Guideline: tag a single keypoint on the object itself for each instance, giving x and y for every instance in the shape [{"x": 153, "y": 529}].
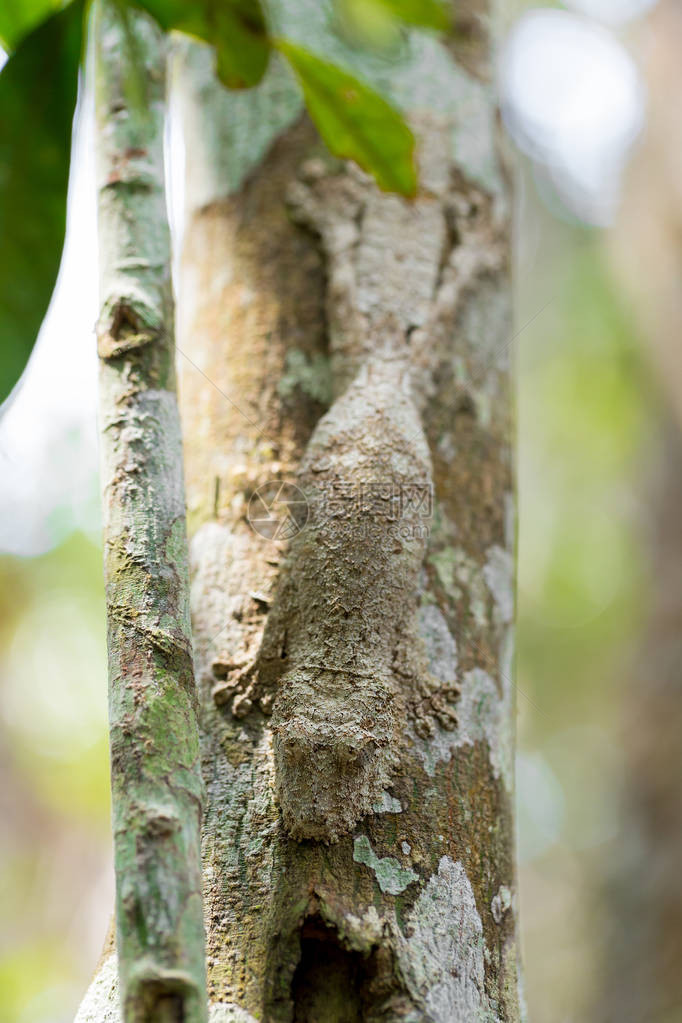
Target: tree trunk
[
  {"x": 354, "y": 670},
  {"x": 155, "y": 757}
]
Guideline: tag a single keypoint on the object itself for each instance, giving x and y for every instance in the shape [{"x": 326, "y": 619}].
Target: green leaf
[
  {"x": 423, "y": 13},
  {"x": 355, "y": 121},
  {"x": 17, "y": 17},
  {"x": 237, "y": 29},
  {"x": 38, "y": 88}
]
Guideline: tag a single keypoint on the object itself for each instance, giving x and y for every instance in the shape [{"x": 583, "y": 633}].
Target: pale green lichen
[
  {"x": 445, "y": 563},
  {"x": 228, "y": 1012},
  {"x": 310, "y": 375},
  {"x": 440, "y": 644},
  {"x": 387, "y": 804},
  {"x": 391, "y": 876},
  {"x": 443, "y": 953},
  {"x": 498, "y": 573},
  {"x": 481, "y": 712},
  {"x": 360, "y": 933},
  {"x": 459, "y": 575},
  {"x": 482, "y": 715},
  {"x": 501, "y": 902},
  {"x": 234, "y": 129}
]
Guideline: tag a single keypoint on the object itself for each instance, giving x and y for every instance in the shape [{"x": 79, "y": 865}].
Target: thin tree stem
[{"x": 156, "y": 777}]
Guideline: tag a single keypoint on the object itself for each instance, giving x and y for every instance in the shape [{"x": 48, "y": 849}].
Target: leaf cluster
[{"x": 38, "y": 92}]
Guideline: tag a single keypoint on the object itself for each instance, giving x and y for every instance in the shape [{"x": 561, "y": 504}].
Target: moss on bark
[{"x": 156, "y": 780}]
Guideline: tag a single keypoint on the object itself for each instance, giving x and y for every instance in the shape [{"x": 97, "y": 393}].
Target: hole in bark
[
  {"x": 450, "y": 242},
  {"x": 465, "y": 404},
  {"x": 329, "y": 979},
  {"x": 316, "y": 978},
  {"x": 168, "y": 1009},
  {"x": 125, "y": 322},
  {"x": 162, "y": 999},
  {"x": 156, "y": 1004}
]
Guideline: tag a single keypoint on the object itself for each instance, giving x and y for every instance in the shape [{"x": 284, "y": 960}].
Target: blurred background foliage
[
  {"x": 588, "y": 413},
  {"x": 583, "y": 407},
  {"x": 55, "y": 888}
]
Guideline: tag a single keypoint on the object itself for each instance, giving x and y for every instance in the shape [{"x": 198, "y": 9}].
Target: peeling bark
[{"x": 156, "y": 780}]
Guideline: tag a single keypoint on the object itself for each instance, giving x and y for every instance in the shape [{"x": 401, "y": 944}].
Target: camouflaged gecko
[
  {"x": 341, "y": 648},
  {"x": 342, "y": 667}
]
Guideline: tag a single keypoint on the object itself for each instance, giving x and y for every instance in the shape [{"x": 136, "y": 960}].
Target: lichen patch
[
  {"x": 391, "y": 876},
  {"x": 443, "y": 954}
]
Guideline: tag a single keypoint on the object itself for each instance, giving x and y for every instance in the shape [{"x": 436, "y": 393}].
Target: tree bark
[
  {"x": 156, "y": 779},
  {"x": 355, "y": 693}
]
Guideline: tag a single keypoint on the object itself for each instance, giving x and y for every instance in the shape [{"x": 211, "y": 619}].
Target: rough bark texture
[
  {"x": 356, "y": 703},
  {"x": 156, "y": 779}
]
